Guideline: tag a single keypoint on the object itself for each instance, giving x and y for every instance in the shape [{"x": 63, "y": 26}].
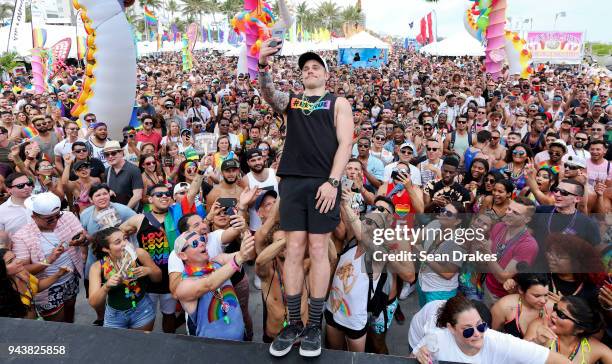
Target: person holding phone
[{"x": 317, "y": 148}]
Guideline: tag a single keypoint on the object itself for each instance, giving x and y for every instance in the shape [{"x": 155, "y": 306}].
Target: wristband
[
  {"x": 235, "y": 265},
  {"x": 261, "y": 65}
]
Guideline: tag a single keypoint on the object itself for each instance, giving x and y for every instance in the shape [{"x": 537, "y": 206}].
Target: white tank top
[
  {"x": 348, "y": 297},
  {"x": 254, "y": 220}
]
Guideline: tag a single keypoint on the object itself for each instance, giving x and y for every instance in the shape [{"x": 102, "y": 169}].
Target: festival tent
[
  {"x": 363, "y": 50},
  {"x": 459, "y": 44}
]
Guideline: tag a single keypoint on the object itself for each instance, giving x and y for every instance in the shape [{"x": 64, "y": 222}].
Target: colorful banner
[
  {"x": 19, "y": 15},
  {"x": 59, "y": 52},
  {"x": 192, "y": 35},
  {"x": 556, "y": 47}
]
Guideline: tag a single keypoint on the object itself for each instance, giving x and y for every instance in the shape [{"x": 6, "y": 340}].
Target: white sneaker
[
  {"x": 406, "y": 291},
  {"x": 257, "y": 282}
]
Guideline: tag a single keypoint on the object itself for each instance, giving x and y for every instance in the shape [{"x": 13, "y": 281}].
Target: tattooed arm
[{"x": 277, "y": 99}]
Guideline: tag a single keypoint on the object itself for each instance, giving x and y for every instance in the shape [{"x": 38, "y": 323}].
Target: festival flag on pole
[
  {"x": 39, "y": 37},
  {"x": 150, "y": 17},
  {"x": 426, "y": 36},
  {"x": 175, "y": 33},
  {"x": 210, "y": 35}
]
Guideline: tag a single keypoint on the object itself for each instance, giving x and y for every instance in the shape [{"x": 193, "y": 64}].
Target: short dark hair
[
  {"x": 386, "y": 200},
  {"x": 12, "y": 177},
  {"x": 483, "y": 136},
  {"x": 183, "y": 224},
  {"x": 79, "y": 143},
  {"x": 365, "y": 138},
  {"x": 579, "y": 186},
  {"x": 157, "y": 185},
  {"x": 97, "y": 187},
  {"x": 599, "y": 141},
  {"x": 399, "y": 126}
]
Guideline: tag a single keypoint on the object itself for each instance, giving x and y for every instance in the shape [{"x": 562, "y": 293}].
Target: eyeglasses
[
  {"x": 581, "y": 139},
  {"x": 520, "y": 153},
  {"x": 162, "y": 194},
  {"x": 80, "y": 150},
  {"x": 562, "y": 315},
  {"x": 490, "y": 180},
  {"x": 447, "y": 213},
  {"x": 381, "y": 209},
  {"x": 21, "y": 186},
  {"x": 406, "y": 151},
  {"x": 432, "y": 149},
  {"x": 147, "y": 123},
  {"x": 563, "y": 192},
  {"x": 469, "y": 332},
  {"x": 169, "y": 107},
  {"x": 111, "y": 154}
]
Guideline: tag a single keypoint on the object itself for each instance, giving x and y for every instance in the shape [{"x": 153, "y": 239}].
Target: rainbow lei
[{"x": 132, "y": 288}]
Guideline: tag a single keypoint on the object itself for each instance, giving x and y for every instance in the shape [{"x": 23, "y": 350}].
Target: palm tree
[
  {"x": 151, "y": 4},
  {"x": 329, "y": 13},
  {"x": 229, "y": 8},
  {"x": 351, "y": 14},
  {"x": 172, "y": 7},
  {"x": 9, "y": 61},
  {"x": 6, "y": 11},
  {"x": 194, "y": 7}
]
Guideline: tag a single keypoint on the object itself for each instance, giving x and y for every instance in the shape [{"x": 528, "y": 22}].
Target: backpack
[{"x": 378, "y": 299}]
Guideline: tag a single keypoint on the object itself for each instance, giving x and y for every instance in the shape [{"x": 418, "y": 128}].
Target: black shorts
[
  {"x": 350, "y": 333},
  {"x": 297, "y": 206}
]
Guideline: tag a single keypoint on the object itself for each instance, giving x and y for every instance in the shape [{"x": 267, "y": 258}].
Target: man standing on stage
[{"x": 317, "y": 148}]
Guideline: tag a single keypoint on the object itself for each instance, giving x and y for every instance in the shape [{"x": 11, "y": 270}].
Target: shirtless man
[
  {"x": 228, "y": 186},
  {"x": 494, "y": 150}
]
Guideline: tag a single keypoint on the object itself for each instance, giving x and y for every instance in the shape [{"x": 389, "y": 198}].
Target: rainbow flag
[
  {"x": 30, "y": 132},
  {"x": 39, "y": 37},
  {"x": 150, "y": 17}
]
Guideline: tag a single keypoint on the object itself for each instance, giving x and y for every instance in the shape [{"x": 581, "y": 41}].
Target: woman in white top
[
  {"x": 173, "y": 134},
  {"x": 462, "y": 336}
]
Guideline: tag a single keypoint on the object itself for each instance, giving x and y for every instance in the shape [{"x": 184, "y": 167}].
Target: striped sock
[
  {"x": 294, "y": 304},
  {"x": 315, "y": 311}
]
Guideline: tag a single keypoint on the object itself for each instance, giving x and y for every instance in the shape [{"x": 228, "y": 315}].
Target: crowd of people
[{"x": 151, "y": 222}]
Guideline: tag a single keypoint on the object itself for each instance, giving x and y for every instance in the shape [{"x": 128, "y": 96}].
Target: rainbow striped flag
[
  {"x": 30, "y": 132},
  {"x": 39, "y": 37},
  {"x": 150, "y": 17}
]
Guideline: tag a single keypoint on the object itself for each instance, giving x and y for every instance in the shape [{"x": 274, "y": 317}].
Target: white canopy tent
[
  {"x": 459, "y": 44},
  {"x": 362, "y": 40}
]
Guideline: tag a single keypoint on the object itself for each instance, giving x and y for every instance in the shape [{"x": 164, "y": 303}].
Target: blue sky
[{"x": 393, "y": 16}]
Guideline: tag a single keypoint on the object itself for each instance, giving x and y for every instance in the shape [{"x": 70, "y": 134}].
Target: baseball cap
[
  {"x": 111, "y": 145},
  {"x": 229, "y": 164},
  {"x": 574, "y": 160},
  {"x": 180, "y": 187},
  {"x": 253, "y": 153},
  {"x": 309, "y": 56},
  {"x": 407, "y": 145},
  {"x": 560, "y": 143},
  {"x": 169, "y": 103},
  {"x": 98, "y": 124},
  {"x": 46, "y": 203},
  {"x": 261, "y": 197},
  {"x": 79, "y": 164}
]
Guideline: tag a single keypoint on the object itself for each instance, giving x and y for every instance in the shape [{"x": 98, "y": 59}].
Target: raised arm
[{"x": 277, "y": 99}]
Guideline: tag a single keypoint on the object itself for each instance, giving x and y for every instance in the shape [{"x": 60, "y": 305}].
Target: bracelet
[
  {"x": 235, "y": 265},
  {"x": 261, "y": 65}
]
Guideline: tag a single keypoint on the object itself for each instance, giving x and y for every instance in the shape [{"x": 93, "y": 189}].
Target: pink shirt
[
  {"x": 26, "y": 241},
  {"x": 525, "y": 249},
  {"x": 598, "y": 171}
]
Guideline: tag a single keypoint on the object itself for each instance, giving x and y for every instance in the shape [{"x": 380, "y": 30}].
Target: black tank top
[
  {"x": 311, "y": 141},
  {"x": 155, "y": 242}
]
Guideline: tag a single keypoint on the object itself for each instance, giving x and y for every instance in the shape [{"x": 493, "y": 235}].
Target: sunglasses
[
  {"x": 363, "y": 145},
  {"x": 162, "y": 194},
  {"x": 150, "y": 163},
  {"x": 432, "y": 149},
  {"x": 111, "y": 154},
  {"x": 90, "y": 120},
  {"x": 366, "y": 129},
  {"x": 461, "y": 121},
  {"x": 21, "y": 186},
  {"x": 481, "y": 112},
  {"x": 494, "y": 138},
  {"x": 490, "y": 180},
  {"x": 427, "y": 128},
  {"x": 194, "y": 244},
  {"x": 379, "y": 138},
  {"x": 469, "y": 332},
  {"x": 147, "y": 123},
  {"x": 581, "y": 139},
  {"x": 49, "y": 218},
  {"x": 406, "y": 151},
  {"x": 169, "y": 107},
  {"x": 262, "y": 148},
  {"x": 83, "y": 167},
  {"x": 381, "y": 209},
  {"x": 519, "y": 153},
  {"x": 563, "y": 192},
  {"x": 447, "y": 213},
  {"x": 562, "y": 315}
]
